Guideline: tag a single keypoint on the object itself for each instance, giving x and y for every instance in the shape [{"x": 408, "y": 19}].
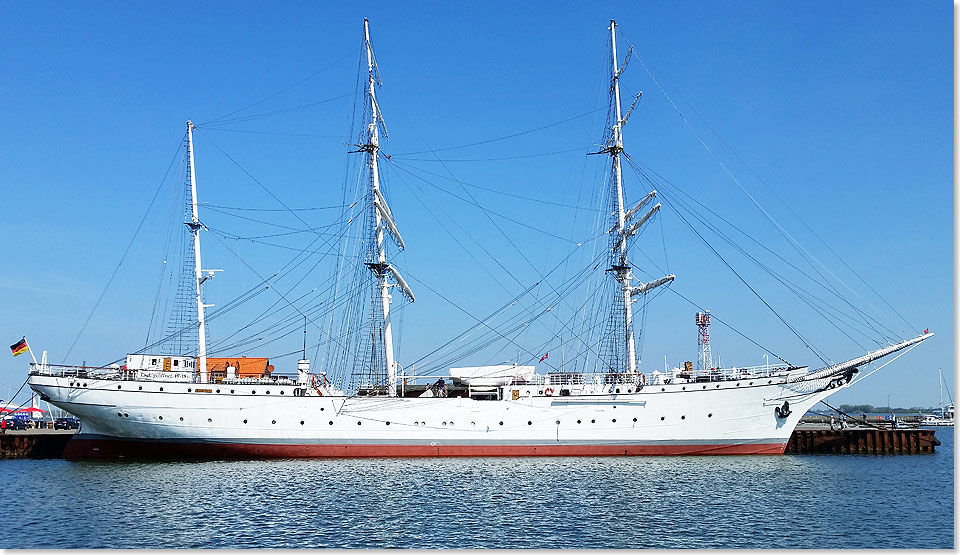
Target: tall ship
[{"x": 185, "y": 406}]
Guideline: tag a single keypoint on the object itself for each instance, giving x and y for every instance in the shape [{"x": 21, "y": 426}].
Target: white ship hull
[{"x": 137, "y": 419}]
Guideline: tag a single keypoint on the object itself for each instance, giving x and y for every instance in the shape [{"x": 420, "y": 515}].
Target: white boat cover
[{"x": 499, "y": 374}]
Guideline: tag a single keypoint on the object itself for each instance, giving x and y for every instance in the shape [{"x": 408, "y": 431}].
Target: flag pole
[{"x": 33, "y": 356}]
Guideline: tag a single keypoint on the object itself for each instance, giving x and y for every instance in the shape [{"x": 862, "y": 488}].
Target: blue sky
[{"x": 836, "y": 118}]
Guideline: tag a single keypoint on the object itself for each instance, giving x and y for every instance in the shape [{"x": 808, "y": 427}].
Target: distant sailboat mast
[{"x": 383, "y": 219}]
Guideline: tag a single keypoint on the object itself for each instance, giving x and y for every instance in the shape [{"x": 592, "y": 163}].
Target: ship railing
[
  {"x": 678, "y": 375},
  {"x": 75, "y": 371}
]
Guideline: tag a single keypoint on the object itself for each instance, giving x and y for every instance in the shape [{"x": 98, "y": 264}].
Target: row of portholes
[
  {"x": 684, "y": 388},
  {"x": 419, "y": 423},
  {"x": 190, "y": 390},
  {"x": 77, "y": 384}
]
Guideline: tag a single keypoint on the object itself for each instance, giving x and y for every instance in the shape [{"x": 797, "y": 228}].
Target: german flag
[{"x": 20, "y": 347}]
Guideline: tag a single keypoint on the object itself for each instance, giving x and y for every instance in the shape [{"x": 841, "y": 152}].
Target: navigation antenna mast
[
  {"x": 383, "y": 219},
  {"x": 199, "y": 277},
  {"x": 620, "y": 233},
  {"x": 705, "y": 362}
]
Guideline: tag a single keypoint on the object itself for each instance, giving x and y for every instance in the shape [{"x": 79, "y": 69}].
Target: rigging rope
[
  {"x": 124, "y": 255},
  {"x": 281, "y": 91},
  {"x": 527, "y": 132}
]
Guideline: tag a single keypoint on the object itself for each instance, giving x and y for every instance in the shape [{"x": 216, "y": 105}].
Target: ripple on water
[{"x": 811, "y": 501}]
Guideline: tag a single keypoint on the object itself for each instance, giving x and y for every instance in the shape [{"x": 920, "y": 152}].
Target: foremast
[
  {"x": 620, "y": 232},
  {"x": 382, "y": 220}
]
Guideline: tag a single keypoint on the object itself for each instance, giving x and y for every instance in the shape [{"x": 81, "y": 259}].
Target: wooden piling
[{"x": 863, "y": 441}]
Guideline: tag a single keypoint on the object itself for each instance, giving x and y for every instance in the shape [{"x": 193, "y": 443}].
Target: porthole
[
  {"x": 218, "y": 391},
  {"x": 593, "y": 421},
  {"x": 718, "y": 386},
  {"x": 578, "y": 421},
  {"x": 704, "y": 387},
  {"x": 359, "y": 423},
  {"x": 444, "y": 422},
  {"x": 751, "y": 383},
  {"x": 540, "y": 392},
  {"x": 181, "y": 419},
  {"x": 281, "y": 392},
  {"x": 209, "y": 419},
  {"x": 118, "y": 387},
  {"x": 231, "y": 391},
  {"x": 126, "y": 415},
  {"x": 558, "y": 422},
  {"x": 684, "y": 388},
  {"x": 161, "y": 389},
  {"x": 662, "y": 418},
  {"x": 617, "y": 390},
  {"x": 301, "y": 422},
  {"x": 331, "y": 422},
  {"x": 710, "y": 415},
  {"x": 160, "y": 418},
  {"x": 417, "y": 423},
  {"x": 189, "y": 390},
  {"x": 120, "y": 414},
  {"x": 501, "y": 422},
  {"x": 684, "y": 417},
  {"x": 268, "y": 392},
  {"x": 614, "y": 420},
  {"x": 140, "y": 388},
  {"x": 388, "y": 422},
  {"x": 71, "y": 384},
  {"x": 244, "y": 421},
  {"x": 321, "y": 408},
  {"x": 634, "y": 419},
  {"x": 84, "y": 385},
  {"x": 663, "y": 389},
  {"x": 253, "y": 391},
  {"x": 529, "y": 423},
  {"x": 273, "y": 421},
  {"x": 451, "y": 422},
  {"x": 738, "y": 384},
  {"x": 473, "y": 423}
]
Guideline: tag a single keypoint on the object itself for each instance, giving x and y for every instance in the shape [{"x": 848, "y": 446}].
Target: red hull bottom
[{"x": 79, "y": 448}]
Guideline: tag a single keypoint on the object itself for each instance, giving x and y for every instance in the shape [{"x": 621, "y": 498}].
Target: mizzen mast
[
  {"x": 623, "y": 226},
  {"x": 195, "y": 225},
  {"x": 382, "y": 220}
]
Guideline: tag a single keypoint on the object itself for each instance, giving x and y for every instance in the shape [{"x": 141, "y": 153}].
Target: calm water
[{"x": 801, "y": 501}]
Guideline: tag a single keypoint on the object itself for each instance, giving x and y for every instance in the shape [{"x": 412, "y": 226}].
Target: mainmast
[
  {"x": 383, "y": 219},
  {"x": 620, "y": 266},
  {"x": 195, "y": 225}
]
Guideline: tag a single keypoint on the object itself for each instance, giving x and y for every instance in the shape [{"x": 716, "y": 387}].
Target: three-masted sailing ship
[{"x": 163, "y": 406}]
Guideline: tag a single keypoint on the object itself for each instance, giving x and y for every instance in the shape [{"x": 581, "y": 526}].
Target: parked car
[
  {"x": 16, "y": 424},
  {"x": 68, "y": 423}
]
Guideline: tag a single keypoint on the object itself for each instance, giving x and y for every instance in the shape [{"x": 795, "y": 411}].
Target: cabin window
[
  {"x": 176, "y": 363},
  {"x": 153, "y": 361}
]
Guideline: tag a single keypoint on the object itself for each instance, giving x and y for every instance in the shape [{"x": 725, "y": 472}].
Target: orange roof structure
[{"x": 253, "y": 367}]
